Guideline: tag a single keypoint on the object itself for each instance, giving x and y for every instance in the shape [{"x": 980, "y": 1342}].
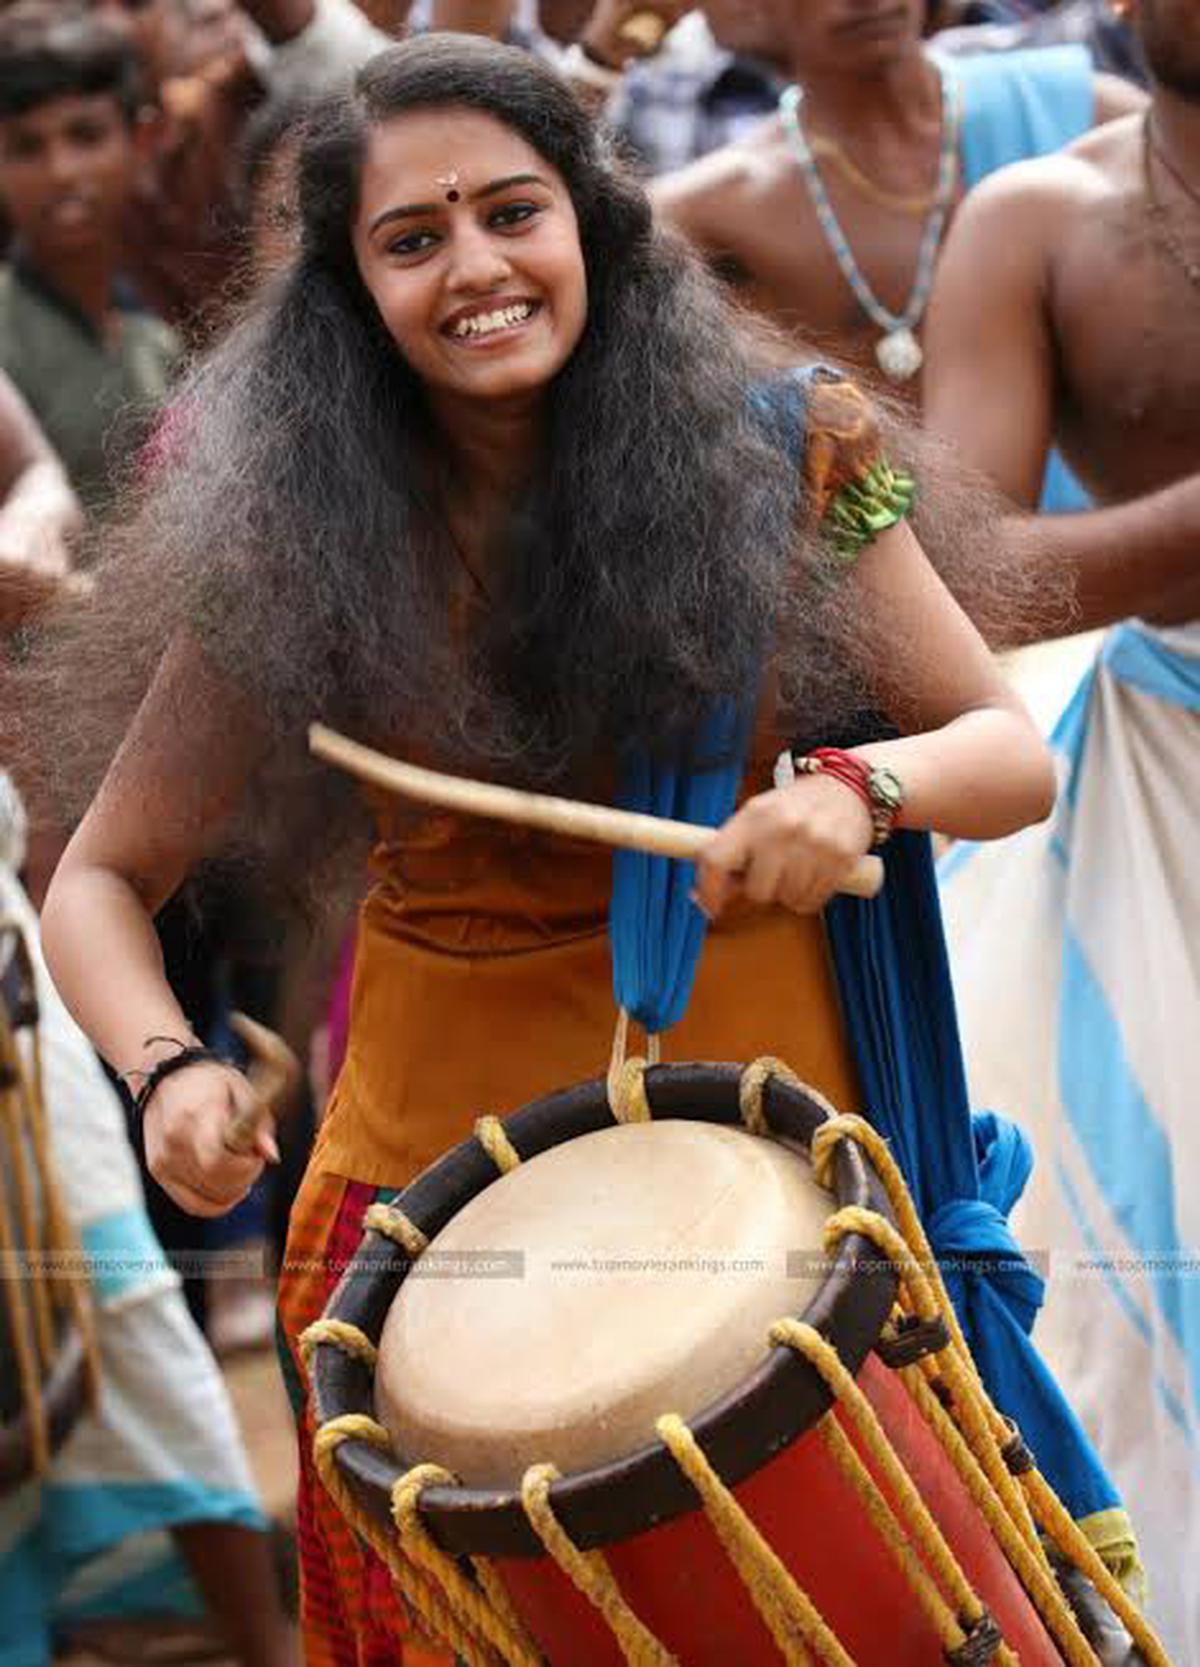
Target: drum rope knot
[
  {"x": 489, "y": 1132},
  {"x": 342, "y": 1335},
  {"x": 395, "y": 1225},
  {"x": 483, "y": 1606}
]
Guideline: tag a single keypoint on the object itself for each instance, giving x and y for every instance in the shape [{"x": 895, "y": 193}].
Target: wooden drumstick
[
  {"x": 605, "y": 825},
  {"x": 274, "y": 1072}
]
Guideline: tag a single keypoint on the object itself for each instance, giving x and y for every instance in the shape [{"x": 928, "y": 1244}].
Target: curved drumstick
[
  {"x": 274, "y": 1073},
  {"x": 606, "y": 826}
]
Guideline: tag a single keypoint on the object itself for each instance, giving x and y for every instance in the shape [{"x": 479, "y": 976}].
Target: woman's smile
[
  {"x": 468, "y": 243},
  {"x": 491, "y": 324}
]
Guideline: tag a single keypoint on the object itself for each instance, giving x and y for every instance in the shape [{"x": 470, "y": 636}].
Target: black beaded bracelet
[{"x": 167, "y": 1068}]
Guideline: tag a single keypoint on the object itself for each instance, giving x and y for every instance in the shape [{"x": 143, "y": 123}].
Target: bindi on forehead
[{"x": 449, "y": 183}]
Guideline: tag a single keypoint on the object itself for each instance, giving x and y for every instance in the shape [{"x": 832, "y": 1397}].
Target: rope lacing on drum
[
  {"x": 351, "y": 1339},
  {"x": 485, "y": 1607},
  {"x": 1017, "y": 1504},
  {"x": 791, "y": 1617},
  {"x": 393, "y": 1224},
  {"x": 752, "y": 1086},
  {"x": 479, "y": 1621},
  {"x": 627, "y": 1098},
  {"x": 435, "y": 1614},
  {"x": 954, "y": 1614},
  {"x": 489, "y": 1132},
  {"x": 589, "y": 1571}
]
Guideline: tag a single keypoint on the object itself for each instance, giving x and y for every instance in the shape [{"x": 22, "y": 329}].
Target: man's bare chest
[
  {"x": 1126, "y": 325},
  {"x": 783, "y": 260}
]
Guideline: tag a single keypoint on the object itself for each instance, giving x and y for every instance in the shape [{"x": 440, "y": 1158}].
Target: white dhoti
[
  {"x": 162, "y": 1446},
  {"x": 1076, "y": 955}
]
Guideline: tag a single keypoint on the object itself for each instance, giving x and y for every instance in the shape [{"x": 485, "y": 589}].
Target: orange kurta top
[{"x": 483, "y": 979}]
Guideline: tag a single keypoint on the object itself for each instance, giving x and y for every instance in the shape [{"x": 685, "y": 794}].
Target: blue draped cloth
[{"x": 893, "y": 979}]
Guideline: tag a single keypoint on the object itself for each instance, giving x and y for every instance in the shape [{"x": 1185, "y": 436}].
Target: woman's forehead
[{"x": 410, "y": 153}]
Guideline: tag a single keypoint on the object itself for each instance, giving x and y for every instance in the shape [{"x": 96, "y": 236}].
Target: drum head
[{"x": 627, "y": 1273}]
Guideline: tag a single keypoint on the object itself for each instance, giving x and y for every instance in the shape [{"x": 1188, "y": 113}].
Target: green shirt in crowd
[{"x": 95, "y": 398}]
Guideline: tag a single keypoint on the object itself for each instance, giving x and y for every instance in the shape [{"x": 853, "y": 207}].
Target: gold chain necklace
[
  {"x": 1187, "y": 264},
  {"x": 823, "y": 147}
]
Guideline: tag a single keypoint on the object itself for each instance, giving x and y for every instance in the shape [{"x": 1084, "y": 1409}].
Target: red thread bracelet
[{"x": 854, "y": 772}]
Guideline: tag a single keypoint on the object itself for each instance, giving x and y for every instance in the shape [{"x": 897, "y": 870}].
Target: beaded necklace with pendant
[{"x": 898, "y": 352}]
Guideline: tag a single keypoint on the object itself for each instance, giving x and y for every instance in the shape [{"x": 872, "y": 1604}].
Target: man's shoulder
[
  {"x": 746, "y": 168},
  {"x": 1091, "y": 168}
]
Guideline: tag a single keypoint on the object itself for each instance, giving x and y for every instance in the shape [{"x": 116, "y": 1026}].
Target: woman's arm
[
  {"x": 172, "y": 787},
  {"x": 970, "y": 761}
]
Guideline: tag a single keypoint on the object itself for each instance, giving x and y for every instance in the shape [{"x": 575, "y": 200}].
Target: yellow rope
[
  {"x": 20, "y": 1322},
  {"x": 913, "y": 1233},
  {"x": 1078, "y": 1549},
  {"x": 627, "y": 1075},
  {"x": 22, "y": 1146},
  {"x": 471, "y": 1604},
  {"x": 846, "y": 1456},
  {"x": 1033, "y": 1573},
  {"x": 60, "y": 1236},
  {"x": 984, "y": 1427},
  {"x": 32, "y": 1323},
  {"x": 752, "y": 1085},
  {"x": 435, "y": 1615},
  {"x": 795, "y": 1334},
  {"x": 981, "y": 1425},
  {"x": 590, "y": 1573},
  {"x": 343, "y": 1336},
  {"x": 489, "y": 1132},
  {"x": 627, "y": 1092},
  {"x": 395, "y": 1225},
  {"x": 790, "y": 1615}
]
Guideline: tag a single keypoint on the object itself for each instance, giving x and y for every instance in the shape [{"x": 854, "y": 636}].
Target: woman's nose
[{"x": 479, "y": 263}]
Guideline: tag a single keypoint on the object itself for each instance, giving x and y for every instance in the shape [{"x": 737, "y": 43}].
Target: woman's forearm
[
  {"x": 104, "y": 956},
  {"x": 984, "y": 775}
]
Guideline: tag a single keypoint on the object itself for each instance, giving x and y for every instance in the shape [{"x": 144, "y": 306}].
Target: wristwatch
[{"x": 886, "y": 792}]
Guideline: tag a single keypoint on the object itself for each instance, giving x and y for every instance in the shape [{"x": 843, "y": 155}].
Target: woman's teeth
[{"x": 483, "y": 324}]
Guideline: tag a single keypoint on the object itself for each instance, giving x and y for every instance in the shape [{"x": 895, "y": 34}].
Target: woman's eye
[
  {"x": 513, "y": 214},
  {"x": 412, "y": 243}
]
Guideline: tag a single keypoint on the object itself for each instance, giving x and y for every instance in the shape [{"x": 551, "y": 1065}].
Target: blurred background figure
[{"x": 159, "y": 1459}]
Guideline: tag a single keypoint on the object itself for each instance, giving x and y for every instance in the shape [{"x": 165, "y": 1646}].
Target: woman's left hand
[{"x": 792, "y": 846}]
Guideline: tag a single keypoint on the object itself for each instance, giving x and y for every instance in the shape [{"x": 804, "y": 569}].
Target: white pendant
[{"x": 899, "y": 354}]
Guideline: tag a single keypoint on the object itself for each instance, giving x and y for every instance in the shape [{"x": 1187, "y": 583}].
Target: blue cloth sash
[{"x": 893, "y": 978}]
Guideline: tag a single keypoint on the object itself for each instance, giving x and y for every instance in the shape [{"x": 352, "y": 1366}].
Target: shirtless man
[
  {"x": 873, "y": 119},
  {"x": 1086, "y": 268},
  {"x": 1067, "y": 309}
]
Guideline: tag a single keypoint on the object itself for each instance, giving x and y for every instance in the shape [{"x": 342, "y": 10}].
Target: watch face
[{"x": 886, "y": 789}]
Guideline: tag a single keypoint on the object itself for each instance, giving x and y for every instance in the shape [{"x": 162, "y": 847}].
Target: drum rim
[
  {"x": 742, "y": 1431},
  {"x": 65, "y": 1394}
]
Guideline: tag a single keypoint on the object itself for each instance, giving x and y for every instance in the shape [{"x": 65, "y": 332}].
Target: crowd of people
[{"x": 447, "y": 392}]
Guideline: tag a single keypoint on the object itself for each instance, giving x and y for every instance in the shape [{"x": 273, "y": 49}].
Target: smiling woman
[
  {"x": 493, "y": 475},
  {"x": 483, "y": 288}
]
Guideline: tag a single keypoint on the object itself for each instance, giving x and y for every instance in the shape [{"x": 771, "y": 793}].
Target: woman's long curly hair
[{"x": 290, "y": 518}]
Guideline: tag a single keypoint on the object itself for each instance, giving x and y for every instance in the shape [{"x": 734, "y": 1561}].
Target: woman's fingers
[{"x": 793, "y": 846}]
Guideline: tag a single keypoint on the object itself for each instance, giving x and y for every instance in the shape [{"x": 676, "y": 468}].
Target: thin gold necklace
[
  {"x": 823, "y": 147},
  {"x": 1187, "y": 264}
]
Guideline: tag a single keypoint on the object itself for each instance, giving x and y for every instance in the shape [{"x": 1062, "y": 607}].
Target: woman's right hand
[{"x": 187, "y": 1127}]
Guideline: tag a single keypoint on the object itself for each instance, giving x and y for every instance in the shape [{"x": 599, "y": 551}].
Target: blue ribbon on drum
[{"x": 893, "y": 978}]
